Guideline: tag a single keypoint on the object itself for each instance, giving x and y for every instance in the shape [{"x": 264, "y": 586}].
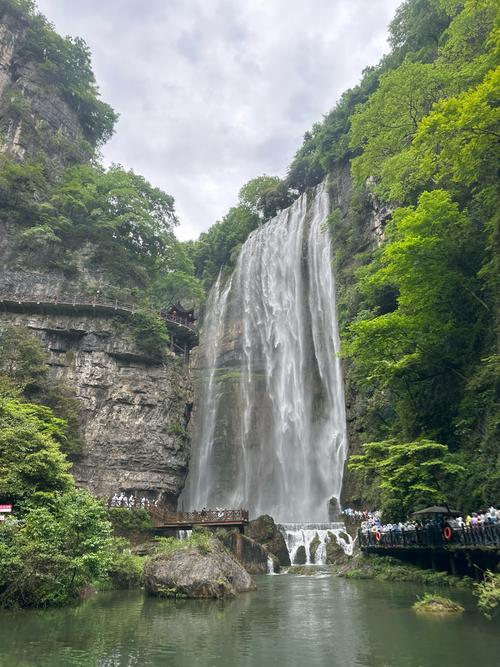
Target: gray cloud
[{"x": 214, "y": 92}]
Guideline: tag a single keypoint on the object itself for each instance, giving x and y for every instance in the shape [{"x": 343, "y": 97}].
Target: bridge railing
[
  {"x": 167, "y": 517},
  {"x": 433, "y": 536}
]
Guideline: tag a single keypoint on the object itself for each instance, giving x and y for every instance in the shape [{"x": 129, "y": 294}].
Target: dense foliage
[
  {"x": 488, "y": 594},
  {"x": 410, "y": 474},
  {"x": 420, "y": 313},
  {"x": 54, "y": 552},
  {"x": 219, "y": 247},
  {"x": 125, "y": 224},
  {"x": 24, "y": 376},
  {"x": 65, "y": 65}
]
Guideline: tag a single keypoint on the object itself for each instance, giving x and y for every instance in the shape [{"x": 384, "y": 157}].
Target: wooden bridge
[
  {"x": 184, "y": 332},
  {"x": 165, "y": 519}
]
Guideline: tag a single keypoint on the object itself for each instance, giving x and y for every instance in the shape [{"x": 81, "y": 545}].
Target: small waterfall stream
[
  {"x": 270, "y": 431},
  {"x": 307, "y": 543}
]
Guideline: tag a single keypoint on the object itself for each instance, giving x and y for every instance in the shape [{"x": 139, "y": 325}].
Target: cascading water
[
  {"x": 270, "y": 432},
  {"x": 307, "y": 543}
]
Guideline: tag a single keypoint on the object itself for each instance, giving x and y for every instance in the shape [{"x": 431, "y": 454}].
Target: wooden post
[{"x": 453, "y": 564}]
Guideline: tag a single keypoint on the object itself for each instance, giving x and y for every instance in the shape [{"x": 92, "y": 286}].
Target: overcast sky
[{"x": 212, "y": 93}]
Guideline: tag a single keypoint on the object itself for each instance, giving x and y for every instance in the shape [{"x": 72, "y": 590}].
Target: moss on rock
[{"x": 438, "y": 605}]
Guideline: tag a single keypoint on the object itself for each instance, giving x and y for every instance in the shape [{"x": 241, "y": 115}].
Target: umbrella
[{"x": 437, "y": 510}]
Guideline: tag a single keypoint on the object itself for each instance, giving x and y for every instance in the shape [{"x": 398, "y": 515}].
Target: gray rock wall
[
  {"x": 41, "y": 118},
  {"x": 134, "y": 412}
]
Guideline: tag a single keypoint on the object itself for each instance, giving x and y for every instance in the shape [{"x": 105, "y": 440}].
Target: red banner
[{"x": 5, "y": 508}]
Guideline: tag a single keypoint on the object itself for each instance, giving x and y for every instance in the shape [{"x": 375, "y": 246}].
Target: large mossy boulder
[
  {"x": 264, "y": 531},
  {"x": 252, "y": 555},
  {"x": 200, "y": 567},
  {"x": 335, "y": 555},
  {"x": 300, "y": 556}
]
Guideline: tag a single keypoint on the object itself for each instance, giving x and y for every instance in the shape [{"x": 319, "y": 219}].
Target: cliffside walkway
[
  {"x": 184, "y": 332},
  {"x": 166, "y": 519}
]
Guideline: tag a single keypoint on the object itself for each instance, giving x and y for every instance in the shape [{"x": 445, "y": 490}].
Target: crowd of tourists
[
  {"x": 371, "y": 521},
  {"x": 121, "y": 500}
]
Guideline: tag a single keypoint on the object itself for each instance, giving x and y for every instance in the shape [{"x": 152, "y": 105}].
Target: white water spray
[
  {"x": 271, "y": 432},
  {"x": 307, "y": 543}
]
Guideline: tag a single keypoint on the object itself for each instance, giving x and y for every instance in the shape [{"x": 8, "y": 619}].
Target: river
[{"x": 289, "y": 621}]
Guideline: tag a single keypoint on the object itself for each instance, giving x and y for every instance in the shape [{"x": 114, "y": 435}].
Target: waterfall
[
  {"x": 311, "y": 540},
  {"x": 270, "y": 432}
]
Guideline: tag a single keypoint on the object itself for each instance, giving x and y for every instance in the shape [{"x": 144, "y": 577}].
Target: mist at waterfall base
[{"x": 270, "y": 431}]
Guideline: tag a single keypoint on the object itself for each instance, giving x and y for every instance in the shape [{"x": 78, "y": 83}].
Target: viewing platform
[
  {"x": 432, "y": 538},
  {"x": 166, "y": 519}
]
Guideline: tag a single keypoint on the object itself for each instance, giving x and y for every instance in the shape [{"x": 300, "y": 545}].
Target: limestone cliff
[
  {"x": 33, "y": 114},
  {"x": 134, "y": 412}
]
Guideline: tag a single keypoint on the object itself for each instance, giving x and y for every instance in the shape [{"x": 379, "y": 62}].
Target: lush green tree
[
  {"x": 417, "y": 27},
  {"x": 410, "y": 475},
  {"x": 55, "y": 552},
  {"x": 416, "y": 341},
  {"x": 265, "y": 196},
  {"x": 32, "y": 466}
]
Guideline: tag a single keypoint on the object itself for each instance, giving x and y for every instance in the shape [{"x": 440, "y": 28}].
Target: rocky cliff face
[
  {"x": 33, "y": 115},
  {"x": 134, "y": 412},
  {"x": 360, "y": 228}
]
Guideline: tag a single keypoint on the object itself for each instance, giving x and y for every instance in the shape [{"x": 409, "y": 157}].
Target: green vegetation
[
  {"x": 58, "y": 539},
  {"x": 126, "y": 569},
  {"x": 64, "y": 64},
  {"x": 55, "y": 551},
  {"x": 24, "y": 377},
  {"x": 419, "y": 314},
  {"x": 126, "y": 224},
  {"x": 488, "y": 594},
  {"x": 412, "y": 474},
  {"x": 126, "y": 520},
  {"x": 201, "y": 540},
  {"x": 385, "y": 568},
  {"x": 435, "y": 604},
  {"x": 302, "y": 570}
]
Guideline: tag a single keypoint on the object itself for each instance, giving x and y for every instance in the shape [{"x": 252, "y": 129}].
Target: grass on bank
[
  {"x": 436, "y": 604},
  {"x": 386, "y": 568}
]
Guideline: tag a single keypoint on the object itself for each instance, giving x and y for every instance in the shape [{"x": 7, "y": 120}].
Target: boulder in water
[
  {"x": 335, "y": 555},
  {"x": 313, "y": 547},
  {"x": 196, "y": 571},
  {"x": 300, "y": 556},
  {"x": 264, "y": 531},
  {"x": 252, "y": 555}
]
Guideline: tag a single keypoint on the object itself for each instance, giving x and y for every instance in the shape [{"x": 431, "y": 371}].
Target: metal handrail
[
  {"x": 75, "y": 302},
  {"x": 167, "y": 517},
  {"x": 433, "y": 536}
]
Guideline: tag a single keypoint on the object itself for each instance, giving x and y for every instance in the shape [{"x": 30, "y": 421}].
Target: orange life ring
[
  {"x": 378, "y": 535},
  {"x": 447, "y": 533}
]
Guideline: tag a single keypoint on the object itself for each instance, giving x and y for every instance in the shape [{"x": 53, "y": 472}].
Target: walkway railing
[
  {"x": 433, "y": 536},
  {"x": 77, "y": 302},
  {"x": 167, "y": 518}
]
